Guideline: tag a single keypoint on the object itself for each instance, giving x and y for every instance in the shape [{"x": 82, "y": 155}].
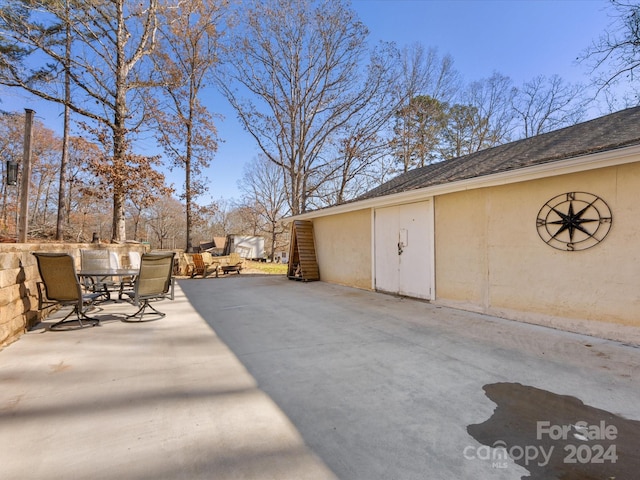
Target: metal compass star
[{"x": 572, "y": 221}]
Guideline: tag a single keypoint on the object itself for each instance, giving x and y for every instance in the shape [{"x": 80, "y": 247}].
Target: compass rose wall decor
[{"x": 574, "y": 221}]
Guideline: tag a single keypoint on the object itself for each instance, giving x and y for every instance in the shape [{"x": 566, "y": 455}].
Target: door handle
[{"x": 400, "y": 245}]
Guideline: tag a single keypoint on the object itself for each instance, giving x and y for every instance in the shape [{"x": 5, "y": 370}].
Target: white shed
[{"x": 250, "y": 247}]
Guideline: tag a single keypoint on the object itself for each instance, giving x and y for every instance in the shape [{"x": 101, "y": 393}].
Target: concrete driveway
[{"x": 381, "y": 387}]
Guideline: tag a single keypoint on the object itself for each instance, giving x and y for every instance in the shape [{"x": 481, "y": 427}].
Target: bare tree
[
  {"x": 188, "y": 50},
  {"x": 44, "y": 169},
  {"x": 83, "y": 196},
  {"x": 425, "y": 72},
  {"x": 483, "y": 117},
  {"x": 220, "y": 217},
  {"x": 427, "y": 84},
  {"x": 202, "y": 221},
  {"x": 356, "y": 149},
  {"x": 110, "y": 40},
  {"x": 11, "y": 135},
  {"x": 614, "y": 56},
  {"x": 544, "y": 104},
  {"x": 165, "y": 219},
  {"x": 44, "y": 165},
  {"x": 262, "y": 184},
  {"x": 295, "y": 78},
  {"x": 246, "y": 219}
]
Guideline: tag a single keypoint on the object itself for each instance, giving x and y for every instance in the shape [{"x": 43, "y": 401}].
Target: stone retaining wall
[{"x": 18, "y": 282}]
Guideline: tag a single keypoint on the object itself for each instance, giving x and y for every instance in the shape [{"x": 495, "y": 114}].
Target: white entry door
[{"x": 403, "y": 252}]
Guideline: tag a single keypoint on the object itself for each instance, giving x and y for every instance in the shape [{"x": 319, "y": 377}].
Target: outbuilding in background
[{"x": 249, "y": 247}]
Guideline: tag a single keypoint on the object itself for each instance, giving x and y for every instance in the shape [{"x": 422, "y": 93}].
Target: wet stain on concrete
[{"x": 555, "y": 436}]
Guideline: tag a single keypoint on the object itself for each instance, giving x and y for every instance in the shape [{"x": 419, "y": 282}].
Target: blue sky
[{"x": 518, "y": 38}]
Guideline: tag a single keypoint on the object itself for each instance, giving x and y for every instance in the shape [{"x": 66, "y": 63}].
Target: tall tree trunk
[
  {"x": 273, "y": 240},
  {"x": 65, "y": 134},
  {"x": 119, "y": 232},
  {"x": 187, "y": 186}
]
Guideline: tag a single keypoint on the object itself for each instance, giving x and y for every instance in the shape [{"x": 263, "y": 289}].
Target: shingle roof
[{"x": 620, "y": 129}]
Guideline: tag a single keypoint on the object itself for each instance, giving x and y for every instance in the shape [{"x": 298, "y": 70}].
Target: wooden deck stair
[{"x": 302, "y": 252}]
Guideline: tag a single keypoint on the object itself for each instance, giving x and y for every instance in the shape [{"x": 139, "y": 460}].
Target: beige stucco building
[{"x": 544, "y": 230}]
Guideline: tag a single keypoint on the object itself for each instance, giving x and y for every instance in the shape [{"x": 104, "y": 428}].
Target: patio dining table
[
  {"x": 100, "y": 275},
  {"x": 108, "y": 272}
]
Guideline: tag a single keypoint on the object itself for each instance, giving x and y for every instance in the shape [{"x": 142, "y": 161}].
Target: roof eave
[{"x": 582, "y": 163}]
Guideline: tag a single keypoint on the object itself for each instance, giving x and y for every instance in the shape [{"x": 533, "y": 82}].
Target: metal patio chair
[
  {"x": 60, "y": 286},
  {"x": 154, "y": 282},
  {"x": 99, "y": 260}
]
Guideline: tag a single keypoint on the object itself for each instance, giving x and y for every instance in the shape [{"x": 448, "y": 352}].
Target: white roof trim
[{"x": 583, "y": 163}]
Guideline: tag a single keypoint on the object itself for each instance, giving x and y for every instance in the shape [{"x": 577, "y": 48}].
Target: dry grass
[{"x": 265, "y": 268}]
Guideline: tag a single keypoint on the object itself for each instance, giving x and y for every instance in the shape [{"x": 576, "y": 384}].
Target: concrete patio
[
  {"x": 164, "y": 399},
  {"x": 258, "y": 377}
]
